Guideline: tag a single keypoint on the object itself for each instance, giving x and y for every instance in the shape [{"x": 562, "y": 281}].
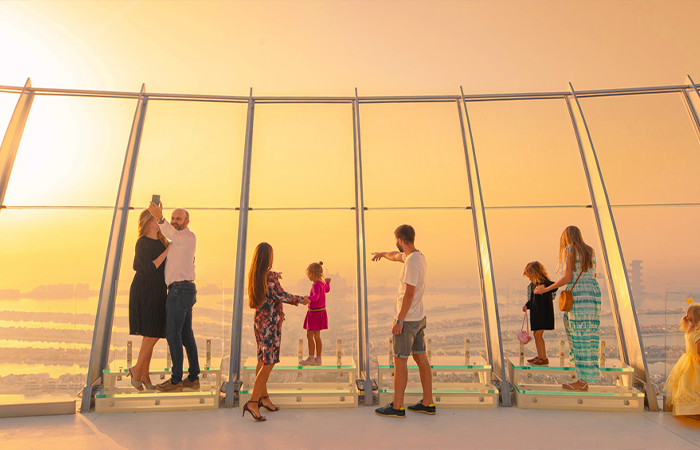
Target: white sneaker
[{"x": 310, "y": 361}]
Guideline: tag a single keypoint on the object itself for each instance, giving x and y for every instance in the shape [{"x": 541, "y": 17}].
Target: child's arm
[
  {"x": 327, "y": 285},
  {"x": 315, "y": 293}
]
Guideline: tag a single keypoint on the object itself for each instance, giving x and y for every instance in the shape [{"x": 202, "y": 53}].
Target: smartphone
[{"x": 156, "y": 199}]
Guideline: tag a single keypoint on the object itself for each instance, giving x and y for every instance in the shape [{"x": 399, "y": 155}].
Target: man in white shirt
[
  {"x": 409, "y": 324},
  {"x": 182, "y": 295}
]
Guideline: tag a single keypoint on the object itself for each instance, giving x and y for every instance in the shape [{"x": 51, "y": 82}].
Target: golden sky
[{"x": 73, "y": 148}]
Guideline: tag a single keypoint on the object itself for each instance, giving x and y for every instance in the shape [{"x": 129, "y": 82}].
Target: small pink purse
[{"x": 524, "y": 336}]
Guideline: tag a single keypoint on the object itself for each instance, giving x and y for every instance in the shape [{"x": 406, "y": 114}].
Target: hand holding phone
[{"x": 156, "y": 199}]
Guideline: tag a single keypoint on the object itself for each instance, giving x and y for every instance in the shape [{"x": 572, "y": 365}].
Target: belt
[
  {"x": 175, "y": 283},
  {"x": 317, "y": 310}
]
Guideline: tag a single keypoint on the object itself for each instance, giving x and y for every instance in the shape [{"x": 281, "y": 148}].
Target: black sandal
[{"x": 261, "y": 405}]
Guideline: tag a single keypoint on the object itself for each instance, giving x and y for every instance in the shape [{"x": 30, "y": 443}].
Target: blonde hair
[
  {"x": 694, "y": 323},
  {"x": 535, "y": 271},
  {"x": 144, "y": 219},
  {"x": 257, "y": 276},
  {"x": 572, "y": 237},
  {"x": 315, "y": 270}
]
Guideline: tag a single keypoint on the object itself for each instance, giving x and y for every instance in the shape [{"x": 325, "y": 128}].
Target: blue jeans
[{"x": 178, "y": 308}]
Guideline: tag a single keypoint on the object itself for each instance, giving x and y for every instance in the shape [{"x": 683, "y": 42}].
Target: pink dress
[{"x": 316, "y": 317}]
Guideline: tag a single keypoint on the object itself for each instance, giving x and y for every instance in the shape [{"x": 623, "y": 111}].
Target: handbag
[
  {"x": 566, "y": 298},
  {"x": 524, "y": 336}
]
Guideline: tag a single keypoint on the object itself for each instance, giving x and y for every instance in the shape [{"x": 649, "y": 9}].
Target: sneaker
[
  {"x": 318, "y": 361},
  {"x": 168, "y": 386},
  {"x": 389, "y": 411},
  {"x": 421, "y": 408},
  {"x": 187, "y": 384},
  {"x": 310, "y": 361}
]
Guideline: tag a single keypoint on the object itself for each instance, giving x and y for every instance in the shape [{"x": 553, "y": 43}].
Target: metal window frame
[
  {"x": 487, "y": 281},
  {"x": 104, "y": 318},
  {"x": 622, "y": 303}
]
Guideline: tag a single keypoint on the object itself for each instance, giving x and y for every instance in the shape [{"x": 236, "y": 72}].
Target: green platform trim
[
  {"x": 558, "y": 391},
  {"x": 157, "y": 394}
]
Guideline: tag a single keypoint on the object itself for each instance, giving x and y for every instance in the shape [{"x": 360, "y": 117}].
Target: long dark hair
[{"x": 257, "y": 277}]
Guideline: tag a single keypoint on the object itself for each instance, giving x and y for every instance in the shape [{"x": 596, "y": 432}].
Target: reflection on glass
[
  {"x": 646, "y": 146},
  {"x": 521, "y": 236},
  {"x": 413, "y": 155},
  {"x": 75, "y": 148},
  {"x": 452, "y": 299},
  {"x": 302, "y": 156},
  {"x": 52, "y": 265},
  {"x": 662, "y": 269},
  {"x": 191, "y": 154},
  {"x": 527, "y": 153}
]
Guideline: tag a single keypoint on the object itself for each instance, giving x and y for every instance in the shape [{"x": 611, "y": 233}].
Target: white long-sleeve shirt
[{"x": 179, "y": 266}]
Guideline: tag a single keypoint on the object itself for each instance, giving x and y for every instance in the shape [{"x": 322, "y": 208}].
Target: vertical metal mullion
[
  {"x": 13, "y": 136},
  {"x": 489, "y": 299},
  {"x": 363, "y": 313},
  {"x": 626, "y": 322},
  {"x": 234, "y": 374},
  {"x": 104, "y": 317},
  {"x": 692, "y": 103}
]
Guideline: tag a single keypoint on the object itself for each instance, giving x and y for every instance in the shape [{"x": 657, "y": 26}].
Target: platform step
[
  {"x": 116, "y": 381},
  {"x": 307, "y": 397},
  {"x": 17, "y": 405},
  {"x": 147, "y": 401},
  {"x": 457, "y": 396},
  {"x": 597, "y": 398}
]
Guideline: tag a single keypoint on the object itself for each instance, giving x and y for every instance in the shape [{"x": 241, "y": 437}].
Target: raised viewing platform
[
  {"x": 540, "y": 387},
  {"x": 457, "y": 382}
]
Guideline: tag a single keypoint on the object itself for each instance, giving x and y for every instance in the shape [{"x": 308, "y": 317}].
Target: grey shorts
[{"x": 411, "y": 340}]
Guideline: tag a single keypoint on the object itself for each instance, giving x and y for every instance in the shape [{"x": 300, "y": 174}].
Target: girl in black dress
[
  {"x": 147, "y": 296},
  {"x": 541, "y": 309}
]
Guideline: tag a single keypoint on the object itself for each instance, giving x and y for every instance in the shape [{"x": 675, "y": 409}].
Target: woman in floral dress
[
  {"x": 265, "y": 295},
  {"x": 582, "y": 323}
]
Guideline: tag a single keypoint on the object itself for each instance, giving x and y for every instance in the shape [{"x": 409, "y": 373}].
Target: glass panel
[
  {"x": 452, "y": 299},
  {"x": 76, "y": 147},
  {"x": 299, "y": 238},
  {"x": 52, "y": 265},
  {"x": 537, "y": 239},
  {"x": 211, "y": 315},
  {"x": 191, "y": 154},
  {"x": 646, "y": 142},
  {"x": 663, "y": 276},
  {"x": 527, "y": 153},
  {"x": 7, "y": 107},
  {"x": 302, "y": 156},
  {"x": 413, "y": 155}
]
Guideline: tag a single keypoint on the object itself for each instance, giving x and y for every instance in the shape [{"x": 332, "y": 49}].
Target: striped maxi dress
[{"x": 582, "y": 323}]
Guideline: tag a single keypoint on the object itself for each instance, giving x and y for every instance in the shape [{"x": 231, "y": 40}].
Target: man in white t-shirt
[{"x": 409, "y": 324}]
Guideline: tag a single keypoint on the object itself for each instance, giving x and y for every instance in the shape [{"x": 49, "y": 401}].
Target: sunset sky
[{"x": 73, "y": 148}]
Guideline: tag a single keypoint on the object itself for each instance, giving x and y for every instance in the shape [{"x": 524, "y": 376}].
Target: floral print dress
[{"x": 269, "y": 317}]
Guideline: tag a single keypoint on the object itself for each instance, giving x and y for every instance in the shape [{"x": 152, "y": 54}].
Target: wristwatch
[
  {"x": 399, "y": 321},
  {"x": 161, "y": 220}
]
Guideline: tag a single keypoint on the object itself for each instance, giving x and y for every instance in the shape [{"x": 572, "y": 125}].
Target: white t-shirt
[
  {"x": 179, "y": 266},
  {"x": 413, "y": 272}
]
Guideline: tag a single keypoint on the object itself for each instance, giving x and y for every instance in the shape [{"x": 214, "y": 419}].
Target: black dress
[
  {"x": 541, "y": 308},
  {"x": 148, "y": 290}
]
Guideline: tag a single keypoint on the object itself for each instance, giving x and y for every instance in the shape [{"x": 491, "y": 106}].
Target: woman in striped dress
[{"x": 582, "y": 323}]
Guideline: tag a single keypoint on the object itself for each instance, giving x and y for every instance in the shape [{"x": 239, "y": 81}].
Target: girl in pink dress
[{"x": 316, "y": 317}]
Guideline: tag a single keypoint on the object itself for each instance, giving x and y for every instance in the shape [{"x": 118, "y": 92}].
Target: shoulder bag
[{"x": 566, "y": 298}]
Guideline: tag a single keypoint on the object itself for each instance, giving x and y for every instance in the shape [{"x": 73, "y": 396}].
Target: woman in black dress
[
  {"x": 147, "y": 296},
  {"x": 541, "y": 309}
]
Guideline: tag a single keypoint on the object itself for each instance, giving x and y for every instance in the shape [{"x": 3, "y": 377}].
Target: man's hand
[
  {"x": 156, "y": 210},
  {"x": 397, "y": 328},
  {"x": 376, "y": 256}
]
